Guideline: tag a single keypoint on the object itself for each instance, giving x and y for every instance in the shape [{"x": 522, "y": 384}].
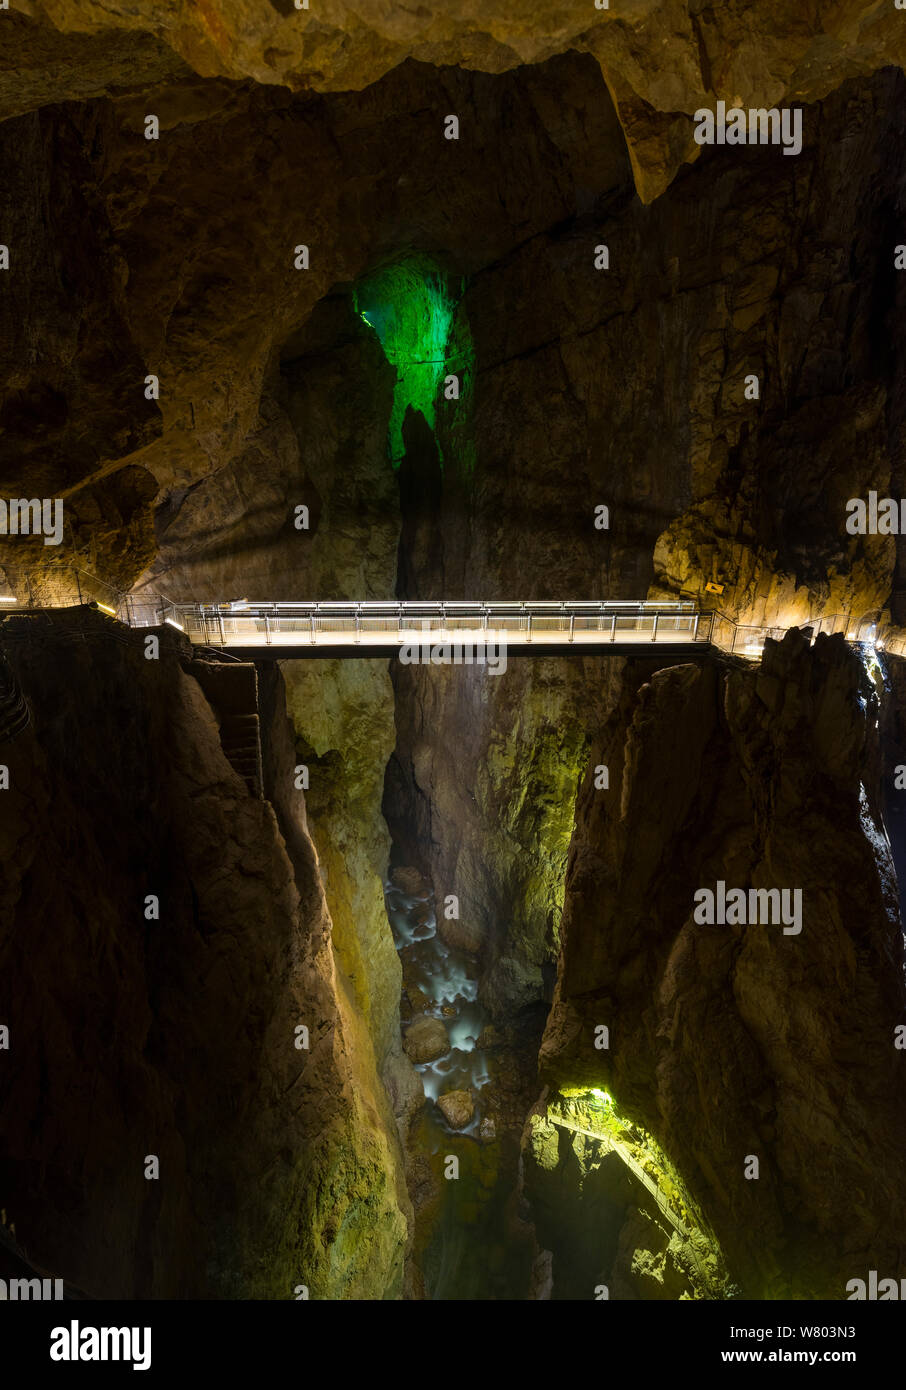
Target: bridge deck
[
  {"x": 378, "y": 628},
  {"x": 445, "y": 631}
]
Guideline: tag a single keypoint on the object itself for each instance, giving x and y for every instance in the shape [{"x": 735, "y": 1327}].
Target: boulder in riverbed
[
  {"x": 457, "y": 1108},
  {"x": 426, "y": 1040},
  {"x": 410, "y": 880}
]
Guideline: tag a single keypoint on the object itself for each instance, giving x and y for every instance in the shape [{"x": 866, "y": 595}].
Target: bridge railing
[
  {"x": 748, "y": 639},
  {"x": 249, "y": 624},
  {"x": 383, "y": 622}
]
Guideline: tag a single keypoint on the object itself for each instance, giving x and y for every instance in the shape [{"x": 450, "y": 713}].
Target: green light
[{"x": 411, "y": 306}]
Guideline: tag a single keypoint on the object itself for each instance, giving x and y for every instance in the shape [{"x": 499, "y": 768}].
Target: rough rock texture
[
  {"x": 342, "y": 714},
  {"x": 411, "y": 880},
  {"x": 174, "y": 258},
  {"x": 483, "y": 784},
  {"x": 730, "y": 1041},
  {"x": 599, "y": 1225},
  {"x": 660, "y": 59},
  {"x": 426, "y": 1039},
  {"x": 175, "y": 1036},
  {"x": 458, "y": 1108},
  {"x": 623, "y": 387},
  {"x": 758, "y": 501}
]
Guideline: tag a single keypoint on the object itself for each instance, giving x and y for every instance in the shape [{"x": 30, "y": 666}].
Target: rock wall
[
  {"x": 481, "y": 792},
  {"x": 661, "y": 59},
  {"x": 728, "y": 1041},
  {"x": 342, "y": 716},
  {"x": 176, "y": 1036},
  {"x": 625, "y": 388}
]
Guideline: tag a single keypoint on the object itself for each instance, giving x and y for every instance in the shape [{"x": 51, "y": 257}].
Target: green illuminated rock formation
[
  {"x": 611, "y": 1207},
  {"x": 411, "y": 306}
]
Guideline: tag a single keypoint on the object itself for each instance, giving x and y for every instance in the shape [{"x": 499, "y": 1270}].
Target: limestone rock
[
  {"x": 458, "y": 1107},
  {"x": 723, "y": 1031},
  {"x": 426, "y": 1039},
  {"x": 275, "y": 1155},
  {"x": 72, "y": 49},
  {"x": 464, "y": 934},
  {"x": 411, "y": 881}
]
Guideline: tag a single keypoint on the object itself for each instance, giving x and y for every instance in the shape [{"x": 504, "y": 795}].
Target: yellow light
[
  {"x": 174, "y": 623},
  {"x": 8, "y": 598},
  {"x": 105, "y": 608}
]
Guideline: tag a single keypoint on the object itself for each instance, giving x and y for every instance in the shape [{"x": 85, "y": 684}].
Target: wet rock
[
  {"x": 418, "y": 999},
  {"x": 464, "y": 935},
  {"x": 457, "y": 1108},
  {"x": 426, "y": 1039},
  {"x": 413, "y": 975},
  {"x": 411, "y": 881}
]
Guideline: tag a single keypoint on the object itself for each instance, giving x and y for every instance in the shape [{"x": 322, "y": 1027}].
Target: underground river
[{"x": 477, "y": 1080}]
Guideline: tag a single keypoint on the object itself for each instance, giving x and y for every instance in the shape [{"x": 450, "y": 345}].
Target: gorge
[{"x": 530, "y": 1068}]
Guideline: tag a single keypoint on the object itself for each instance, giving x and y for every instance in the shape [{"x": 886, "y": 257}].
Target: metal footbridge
[
  {"x": 376, "y": 627},
  {"x": 255, "y": 631},
  {"x": 373, "y": 627}
]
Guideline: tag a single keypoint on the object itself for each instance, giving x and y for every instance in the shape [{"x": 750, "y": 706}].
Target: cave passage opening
[{"x": 412, "y": 305}]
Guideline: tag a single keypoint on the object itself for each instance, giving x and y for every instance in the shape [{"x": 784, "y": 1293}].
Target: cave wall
[
  {"x": 175, "y": 258},
  {"x": 660, "y": 59},
  {"x": 481, "y": 793},
  {"x": 175, "y": 1036},
  {"x": 624, "y": 388},
  {"x": 730, "y": 1041}
]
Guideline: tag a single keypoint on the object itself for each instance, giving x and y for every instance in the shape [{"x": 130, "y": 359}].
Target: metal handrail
[
  {"x": 355, "y": 622},
  {"x": 529, "y": 621}
]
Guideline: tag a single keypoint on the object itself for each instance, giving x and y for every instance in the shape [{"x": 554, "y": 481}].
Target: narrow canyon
[{"x": 340, "y": 976}]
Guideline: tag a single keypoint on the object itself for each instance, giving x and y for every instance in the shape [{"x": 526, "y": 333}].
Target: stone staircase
[
  {"x": 240, "y": 738},
  {"x": 232, "y": 692}
]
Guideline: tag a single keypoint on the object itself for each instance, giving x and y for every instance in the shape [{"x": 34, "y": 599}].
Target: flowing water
[
  {"x": 467, "y": 1245},
  {"x": 447, "y": 977}
]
